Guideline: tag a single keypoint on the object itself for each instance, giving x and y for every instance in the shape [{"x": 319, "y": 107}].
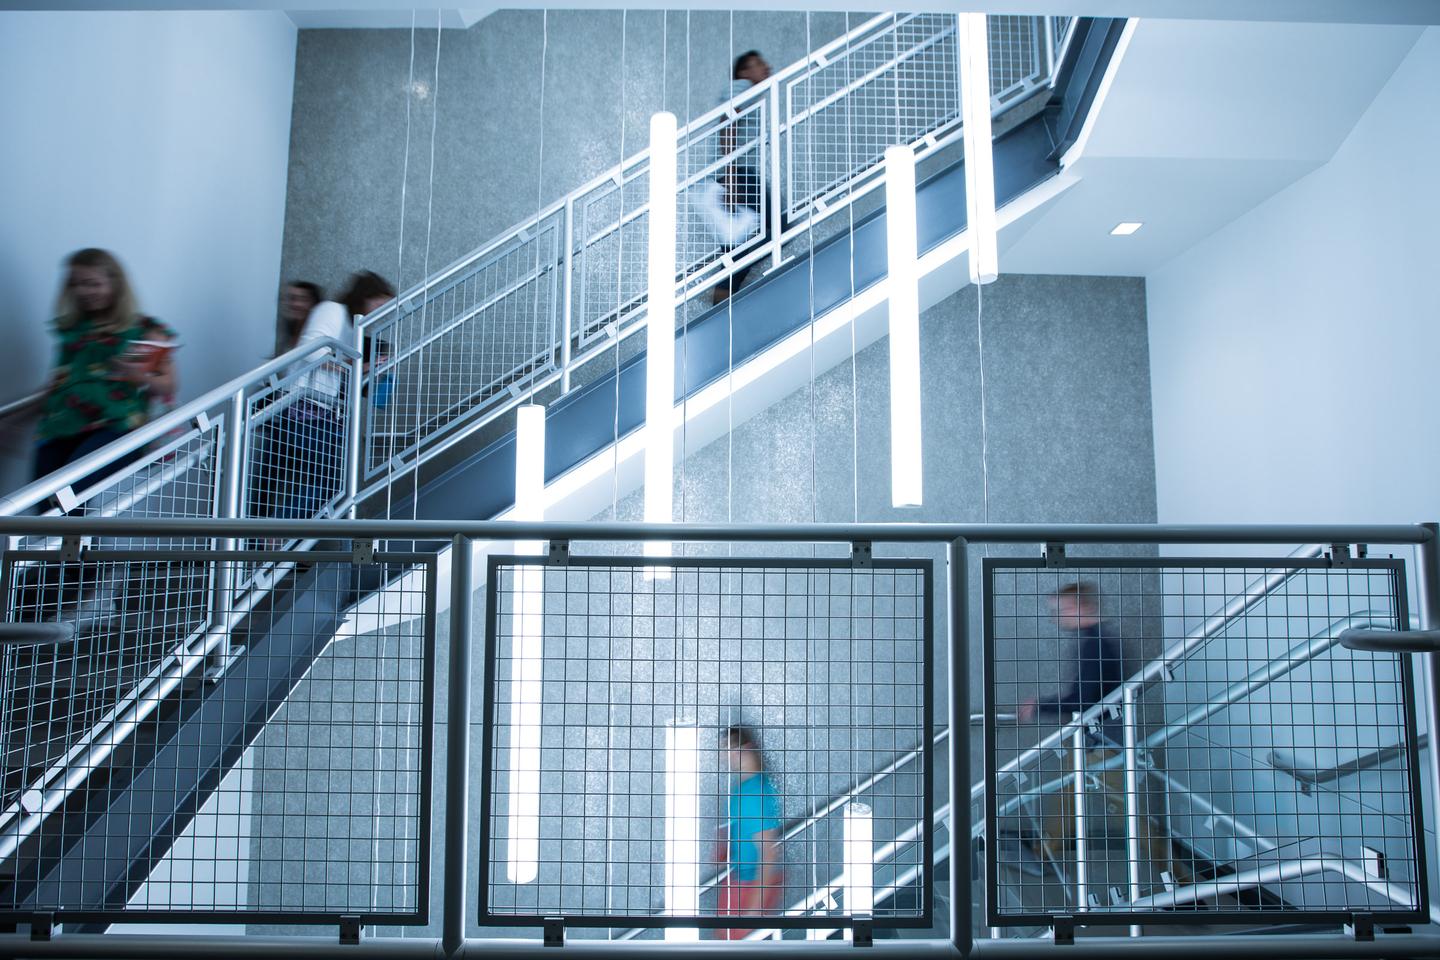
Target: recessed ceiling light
[{"x": 1125, "y": 228}]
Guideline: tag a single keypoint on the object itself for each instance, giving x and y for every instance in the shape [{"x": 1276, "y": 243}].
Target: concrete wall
[
  {"x": 162, "y": 137},
  {"x": 369, "y": 105}
]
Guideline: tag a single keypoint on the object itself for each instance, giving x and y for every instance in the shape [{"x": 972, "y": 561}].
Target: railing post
[
  {"x": 1427, "y": 579},
  {"x": 1077, "y": 759},
  {"x": 354, "y": 421},
  {"x": 961, "y": 895},
  {"x": 777, "y": 197},
  {"x": 236, "y": 441},
  {"x": 566, "y": 308},
  {"x": 457, "y": 748},
  {"x": 1132, "y": 797}
]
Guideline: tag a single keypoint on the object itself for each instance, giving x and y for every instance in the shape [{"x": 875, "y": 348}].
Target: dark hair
[
  {"x": 364, "y": 286},
  {"x": 1082, "y": 590},
  {"x": 739, "y": 737},
  {"x": 741, "y": 62},
  {"x": 313, "y": 289},
  {"x": 374, "y": 346}
]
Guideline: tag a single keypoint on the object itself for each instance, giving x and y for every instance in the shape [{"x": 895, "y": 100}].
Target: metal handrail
[
  {"x": 567, "y": 342},
  {"x": 47, "y": 486},
  {"x": 22, "y": 405},
  {"x": 1397, "y": 893},
  {"x": 1309, "y": 777}
]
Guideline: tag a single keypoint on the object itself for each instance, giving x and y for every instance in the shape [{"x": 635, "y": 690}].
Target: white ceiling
[
  {"x": 382, "y": 18},
  {"x": 1202, "y": 122},
  {"x": 1336, "y": 11}
]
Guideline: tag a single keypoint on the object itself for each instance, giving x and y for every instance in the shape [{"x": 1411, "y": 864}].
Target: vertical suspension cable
[
  {"x": 850, "y": 213},
  {"x": 429, "y": 220},
  {"x": 619, "y": 275},
  {"x": 684, "y": 305},
  {"x": 535, "y": 326},
  {"x": 730, "y": 337},
  {"x": 400, "y": 278}
]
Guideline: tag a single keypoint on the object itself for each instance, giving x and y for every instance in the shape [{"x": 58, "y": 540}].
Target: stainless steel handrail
[
  {"x": 1397, "y": 893},
  {"x": 23, "y": 405},
  {"x": 47, "y": 486},
  {"x": 1393, "y": 641},
  {"x": 1314, "y": 776}
]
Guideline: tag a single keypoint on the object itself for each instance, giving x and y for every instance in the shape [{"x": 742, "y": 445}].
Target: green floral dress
[{"x": 83, "y": 397}]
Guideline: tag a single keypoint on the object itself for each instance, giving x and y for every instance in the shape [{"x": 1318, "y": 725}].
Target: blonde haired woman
[{"x": 113, "y": 362}]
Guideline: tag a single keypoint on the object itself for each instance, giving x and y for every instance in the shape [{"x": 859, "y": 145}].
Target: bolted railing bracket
[
  {"x": 350, "y": 929},
  {"x": 861, "y": 554},
  {"x": 42, "y": 927},
  {"x": 1054, "y": 553},
  {"x": 554, "y": 928},
  {"x": 362, "y": 552},
  {"x": 1340, "y": 555},
  {"x": 1361, "y": 927},
  {"x": 863, "y": 933},
  {"x": 1062, "y": 930},
  {"x": 71, "y": 549},
  {"x": 202, "y": 421},
  {"x": 558, "y": 553}
]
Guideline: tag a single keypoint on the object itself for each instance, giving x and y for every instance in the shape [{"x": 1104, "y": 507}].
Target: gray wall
[{"x": 351, "y": 168}]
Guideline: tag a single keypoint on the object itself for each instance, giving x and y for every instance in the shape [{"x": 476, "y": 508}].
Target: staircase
[{"x": 548, "y": 309}]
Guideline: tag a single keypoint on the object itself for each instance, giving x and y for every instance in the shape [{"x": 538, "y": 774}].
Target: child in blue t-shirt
[{"x": 751, "y": 835}]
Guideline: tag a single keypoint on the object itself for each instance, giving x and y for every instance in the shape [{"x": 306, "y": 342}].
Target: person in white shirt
[
  {"x": 302, "y": 466},
  {"x": 742, "y": 180}
]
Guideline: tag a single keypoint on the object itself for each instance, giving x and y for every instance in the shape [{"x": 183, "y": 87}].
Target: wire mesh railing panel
[
  {"x": 176, "y": 477},
  {"x": 1016, "y": 56},
  {"x": 611, "y": 255},
  {"x": 891, "y": 87},
  {"x": 465, "y": 346},
  {"x": 125, "y": 619},
  {"x": 1156, "y": 798},
  {"x": 665, "y": 744},
  {"x": 293, "y": 786}
]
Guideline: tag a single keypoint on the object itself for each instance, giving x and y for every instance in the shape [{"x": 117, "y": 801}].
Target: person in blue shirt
[{"x": 750, "y": 837}]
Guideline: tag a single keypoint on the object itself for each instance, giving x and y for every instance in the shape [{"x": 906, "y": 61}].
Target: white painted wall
[
  {"x": 164, "y": 137},
  {"x": 1294, "y": 351}
]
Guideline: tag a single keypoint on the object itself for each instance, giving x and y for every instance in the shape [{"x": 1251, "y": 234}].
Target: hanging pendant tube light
[
  {"x": 906, "y": 473},
  {"x": 682, "y": 828},
  {"x": 527, "y": 620},
  {"x": 660, "y": 332},
  {"x": 979, "y": 147}
]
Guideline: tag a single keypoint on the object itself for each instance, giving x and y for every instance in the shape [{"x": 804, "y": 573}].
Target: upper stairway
[{"x": 549, "y": 308}]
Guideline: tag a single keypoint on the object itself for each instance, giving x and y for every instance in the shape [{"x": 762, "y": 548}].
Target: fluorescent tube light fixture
[
  {"x": 660, "y": 332},
  {"x": 527, "y": 632},
  {"x": 682, "y": 828},
  {"x": 979, "y": 144},
  {"x": 859, "y": 843},
  {"x": 906, "y": 474},
  {"x": 1126, "y": 227}
]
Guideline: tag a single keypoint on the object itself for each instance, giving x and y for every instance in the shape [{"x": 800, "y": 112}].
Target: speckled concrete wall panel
[{"x": 497, "y": 156}]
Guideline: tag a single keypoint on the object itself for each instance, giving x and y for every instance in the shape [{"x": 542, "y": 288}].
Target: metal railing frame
[
  {"x": 957, "y": 539},
  {"x": 574, "y": 348}
]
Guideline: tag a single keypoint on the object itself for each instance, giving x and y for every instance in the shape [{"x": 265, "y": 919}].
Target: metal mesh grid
[
  {"x": 178, "y": 476},
  {"x": 893, "y": 87},
  {"x": 472, "y": 340},
  {"x": 611, "y": 690},
  {"x": 297, "y": 443},
  {"x": 1016, "y": 59},
  {"x": 467, "y": 344},
  {"x": 128, "y": 617},
  {"x": 1183, "y": 811},
  {"x": 293, "y": 784}
]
